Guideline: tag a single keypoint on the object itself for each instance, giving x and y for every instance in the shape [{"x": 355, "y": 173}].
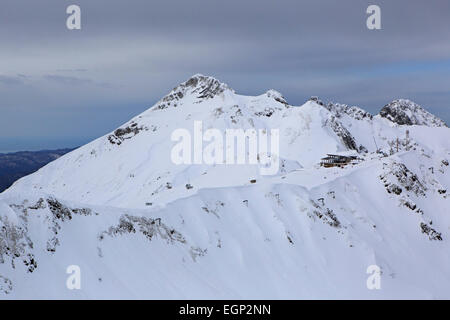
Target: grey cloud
[
  {"x": 141, "y": 49},
  {"x": 72, "y": 70},
  {"x": 75, "y": 81},
  {"x": 10, "y": 80},
  {"x": 67, "y": 80}
]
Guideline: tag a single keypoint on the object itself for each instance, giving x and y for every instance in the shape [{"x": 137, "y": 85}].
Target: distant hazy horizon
[{"x": 39, "y": 144}]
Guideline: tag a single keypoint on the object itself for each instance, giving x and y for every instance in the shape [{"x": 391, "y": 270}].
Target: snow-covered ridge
[
  {"x": 140, "y": 226},
  {"x": 339, "y": 109}
]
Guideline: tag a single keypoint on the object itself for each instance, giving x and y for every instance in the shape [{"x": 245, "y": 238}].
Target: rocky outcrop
[
  {"x": 202, "y": 87},
  {"x": 124, "y": 133},
  {"x": 346, "y": 137},
  {"x": 406, "y": 112},
  {"x": 342, "y": 109}
]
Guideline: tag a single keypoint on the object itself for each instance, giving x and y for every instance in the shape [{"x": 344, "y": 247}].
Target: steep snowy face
[
  {"x": 406, "y": 112},
  {"x": 140, "y": 226}
]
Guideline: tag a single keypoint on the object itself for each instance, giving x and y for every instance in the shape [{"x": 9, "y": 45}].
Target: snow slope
[{"x": 140, "y": 226}]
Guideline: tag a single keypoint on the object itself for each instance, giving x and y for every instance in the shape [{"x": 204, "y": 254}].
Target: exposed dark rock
[
  {"x": 61, "y": 213},
  {"x": 122, "y": 134},
  {"x": 147, "y": 226},
  {"x": 346, "y": 137},
  {"x": 202, "y": 87},
  {"x": 317, "y": 100},
  {"x": 14, "y": 243},
  {"x": 393, "y": 188},
  {"x": 6, "y": 285},
  {"x": 432, "y": 234},
  {"x": 339, "y": 110},
  {"x": 409, "y": 205},
  {"x": 326, "y": 215},
  {"x": 277, "y": 96},
  {"x": 268, "y": 112},
  {"x": 407, "y": 179}
]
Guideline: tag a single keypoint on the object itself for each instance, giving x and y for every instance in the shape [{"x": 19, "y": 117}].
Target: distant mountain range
[{"x": 14, "y": 166}]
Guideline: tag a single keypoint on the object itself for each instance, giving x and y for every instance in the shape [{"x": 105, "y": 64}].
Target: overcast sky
[{"x": 61, "y": 87}]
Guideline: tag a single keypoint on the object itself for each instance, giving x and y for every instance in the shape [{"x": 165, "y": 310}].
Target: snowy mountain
[
  {"x": 140, "y": 226},
  {"x": 406, "y": 112}
]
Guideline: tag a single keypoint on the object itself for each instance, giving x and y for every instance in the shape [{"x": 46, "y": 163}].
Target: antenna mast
[{"x": 375, "y": 143}]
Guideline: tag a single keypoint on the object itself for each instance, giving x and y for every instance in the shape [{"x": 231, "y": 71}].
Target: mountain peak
[
  {"x": 277, "y": 96},
  {"x": 339, "y": 109},
  {"x": 316, "y": 100},
  {"x": 207, "y": 85},
  {"x": 199, "y": 87},
  {"x": 407, "y": 112}
]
